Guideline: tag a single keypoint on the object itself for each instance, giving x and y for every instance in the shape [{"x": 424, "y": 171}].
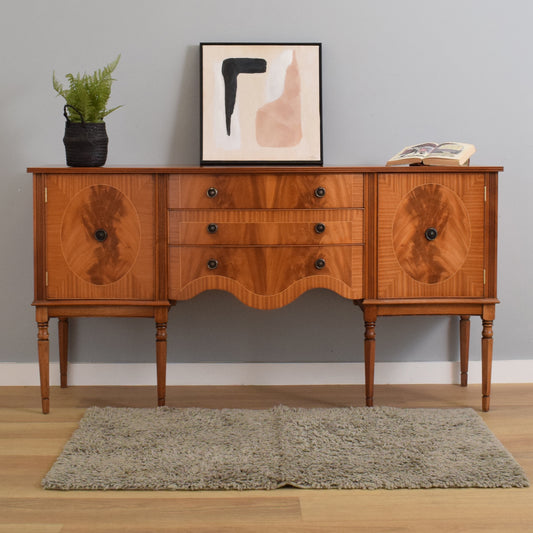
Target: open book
[{"x": 448, "y": 154}]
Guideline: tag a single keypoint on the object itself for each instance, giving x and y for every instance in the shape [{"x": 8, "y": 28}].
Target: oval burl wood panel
[
  {"x": 100, "y": 234},
  {"x": 431, "y": 233}
]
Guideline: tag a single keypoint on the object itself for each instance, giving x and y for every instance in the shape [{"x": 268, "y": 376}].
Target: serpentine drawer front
[
  {"x": 265, "y": 277},
  {"x": 397, "y": 241}
]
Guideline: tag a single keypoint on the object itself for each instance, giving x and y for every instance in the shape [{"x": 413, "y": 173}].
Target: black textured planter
[{"x": 85, "y": 144}]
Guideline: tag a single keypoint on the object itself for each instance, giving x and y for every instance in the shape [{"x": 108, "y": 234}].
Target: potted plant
[{"x": 86, "y": 99}]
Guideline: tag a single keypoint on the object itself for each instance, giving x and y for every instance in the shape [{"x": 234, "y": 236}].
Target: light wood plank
[
  {"x": 166, "y": 511},
  {"x": 31, "y": 528}
]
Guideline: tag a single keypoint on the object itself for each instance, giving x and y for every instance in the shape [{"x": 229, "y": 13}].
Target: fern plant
[{"x": 88, "y": 94}]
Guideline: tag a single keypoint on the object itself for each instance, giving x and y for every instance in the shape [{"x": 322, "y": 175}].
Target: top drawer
[{"x": 265, "y": 191}]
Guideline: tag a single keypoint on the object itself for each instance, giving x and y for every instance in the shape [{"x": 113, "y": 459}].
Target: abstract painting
[{"x": 261, "y": 103}]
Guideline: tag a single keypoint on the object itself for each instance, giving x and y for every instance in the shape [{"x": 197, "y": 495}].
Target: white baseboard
[{"x": 21, "y": 374}]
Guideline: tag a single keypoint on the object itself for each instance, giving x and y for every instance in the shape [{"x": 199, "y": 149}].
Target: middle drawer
[{"x": 265, "y": 227}]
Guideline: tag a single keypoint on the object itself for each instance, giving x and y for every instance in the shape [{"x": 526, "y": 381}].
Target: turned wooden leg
[
  {"x": 63, "y": 350},
  {"x": 161, "y": 354},
  {"x": 44, "y": 357},
  {"x": 486, "y": 363},
  {"x": 465, "y": 346},
  {"x": 370, "y": 354}
]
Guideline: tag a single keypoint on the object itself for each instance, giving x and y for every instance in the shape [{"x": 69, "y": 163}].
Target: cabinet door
[
  {"x": 431, "y": 235},
  {"x": 100, "y": 236}
]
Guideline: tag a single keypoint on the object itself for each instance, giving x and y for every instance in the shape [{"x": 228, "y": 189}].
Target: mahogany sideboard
[{"x": 131, "y": 242}]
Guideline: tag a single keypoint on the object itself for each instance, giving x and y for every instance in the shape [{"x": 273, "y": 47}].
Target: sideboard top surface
[{"x": 258, "y": 169}]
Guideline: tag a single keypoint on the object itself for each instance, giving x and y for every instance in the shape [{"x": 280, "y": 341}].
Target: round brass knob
[
  {"x": 320, "y": 263},
  {"x": 212, "y": 264},
  {"x": 320, "y": 192},
  {"x": 212, "y": 192},
  {"x": 320, "y": 228},
  {"x": 431, "y": 234},
  {"x": 212, "y": 228},
  {"x": 100, "y": 235}
]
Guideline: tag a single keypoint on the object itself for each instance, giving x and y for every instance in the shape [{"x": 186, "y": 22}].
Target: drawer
[
  {"x": 265, "y": 191},
  {"x": 275, "y": 227},
  {"x": 265, "y": 271}
]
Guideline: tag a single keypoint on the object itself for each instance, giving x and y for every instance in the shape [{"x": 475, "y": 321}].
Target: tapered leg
[
  {"x": 161, "y": 354},
  {"x": 370, "y": 353},
  {"x": 63, "y": 350},
  {"x": 486, "y": 364},
  {"x": 44, "y": 357},
  {"x": 464, "y": 349}
]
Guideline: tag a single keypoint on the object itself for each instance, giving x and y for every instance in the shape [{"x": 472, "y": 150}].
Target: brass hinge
[
  {"x": 46, "y": 195},
  {"x": 485, "y": 193},
  {"x": 484, "y": 277},
  {"x": 46, "y": 278}
]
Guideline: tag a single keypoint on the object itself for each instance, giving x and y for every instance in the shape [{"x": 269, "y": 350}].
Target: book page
[
  {"x": 417, "y": 150},
  {"x": 448, "y": 150}
]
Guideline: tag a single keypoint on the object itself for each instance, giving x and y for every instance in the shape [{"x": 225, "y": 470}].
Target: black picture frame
[{"x": 261, "y": 103}]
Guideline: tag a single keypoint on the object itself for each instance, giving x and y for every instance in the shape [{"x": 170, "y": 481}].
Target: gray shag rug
[{"x": 342, "y": 448}]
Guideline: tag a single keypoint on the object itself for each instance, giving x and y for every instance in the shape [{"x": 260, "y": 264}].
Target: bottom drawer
[{"x": 265, "y": 277}]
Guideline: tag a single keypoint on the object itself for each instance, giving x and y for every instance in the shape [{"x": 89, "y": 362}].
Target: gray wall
[{"x": 394, "y": 73}]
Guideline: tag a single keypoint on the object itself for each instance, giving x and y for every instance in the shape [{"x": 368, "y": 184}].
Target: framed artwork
[{"x": 261, "y": 104}]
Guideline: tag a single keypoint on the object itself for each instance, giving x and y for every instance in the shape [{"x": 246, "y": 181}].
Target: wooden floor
[{"x": 30, "y": 442}]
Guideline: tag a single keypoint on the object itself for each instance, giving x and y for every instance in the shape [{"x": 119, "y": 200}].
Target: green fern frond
[
  {"x": 111, "y": 110},
  {"x": 88, "y": 93},
  {"x": 57, "y": 86}
]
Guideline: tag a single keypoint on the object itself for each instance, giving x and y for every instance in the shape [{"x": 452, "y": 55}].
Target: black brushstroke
[{"x": 231, "y": 68}]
